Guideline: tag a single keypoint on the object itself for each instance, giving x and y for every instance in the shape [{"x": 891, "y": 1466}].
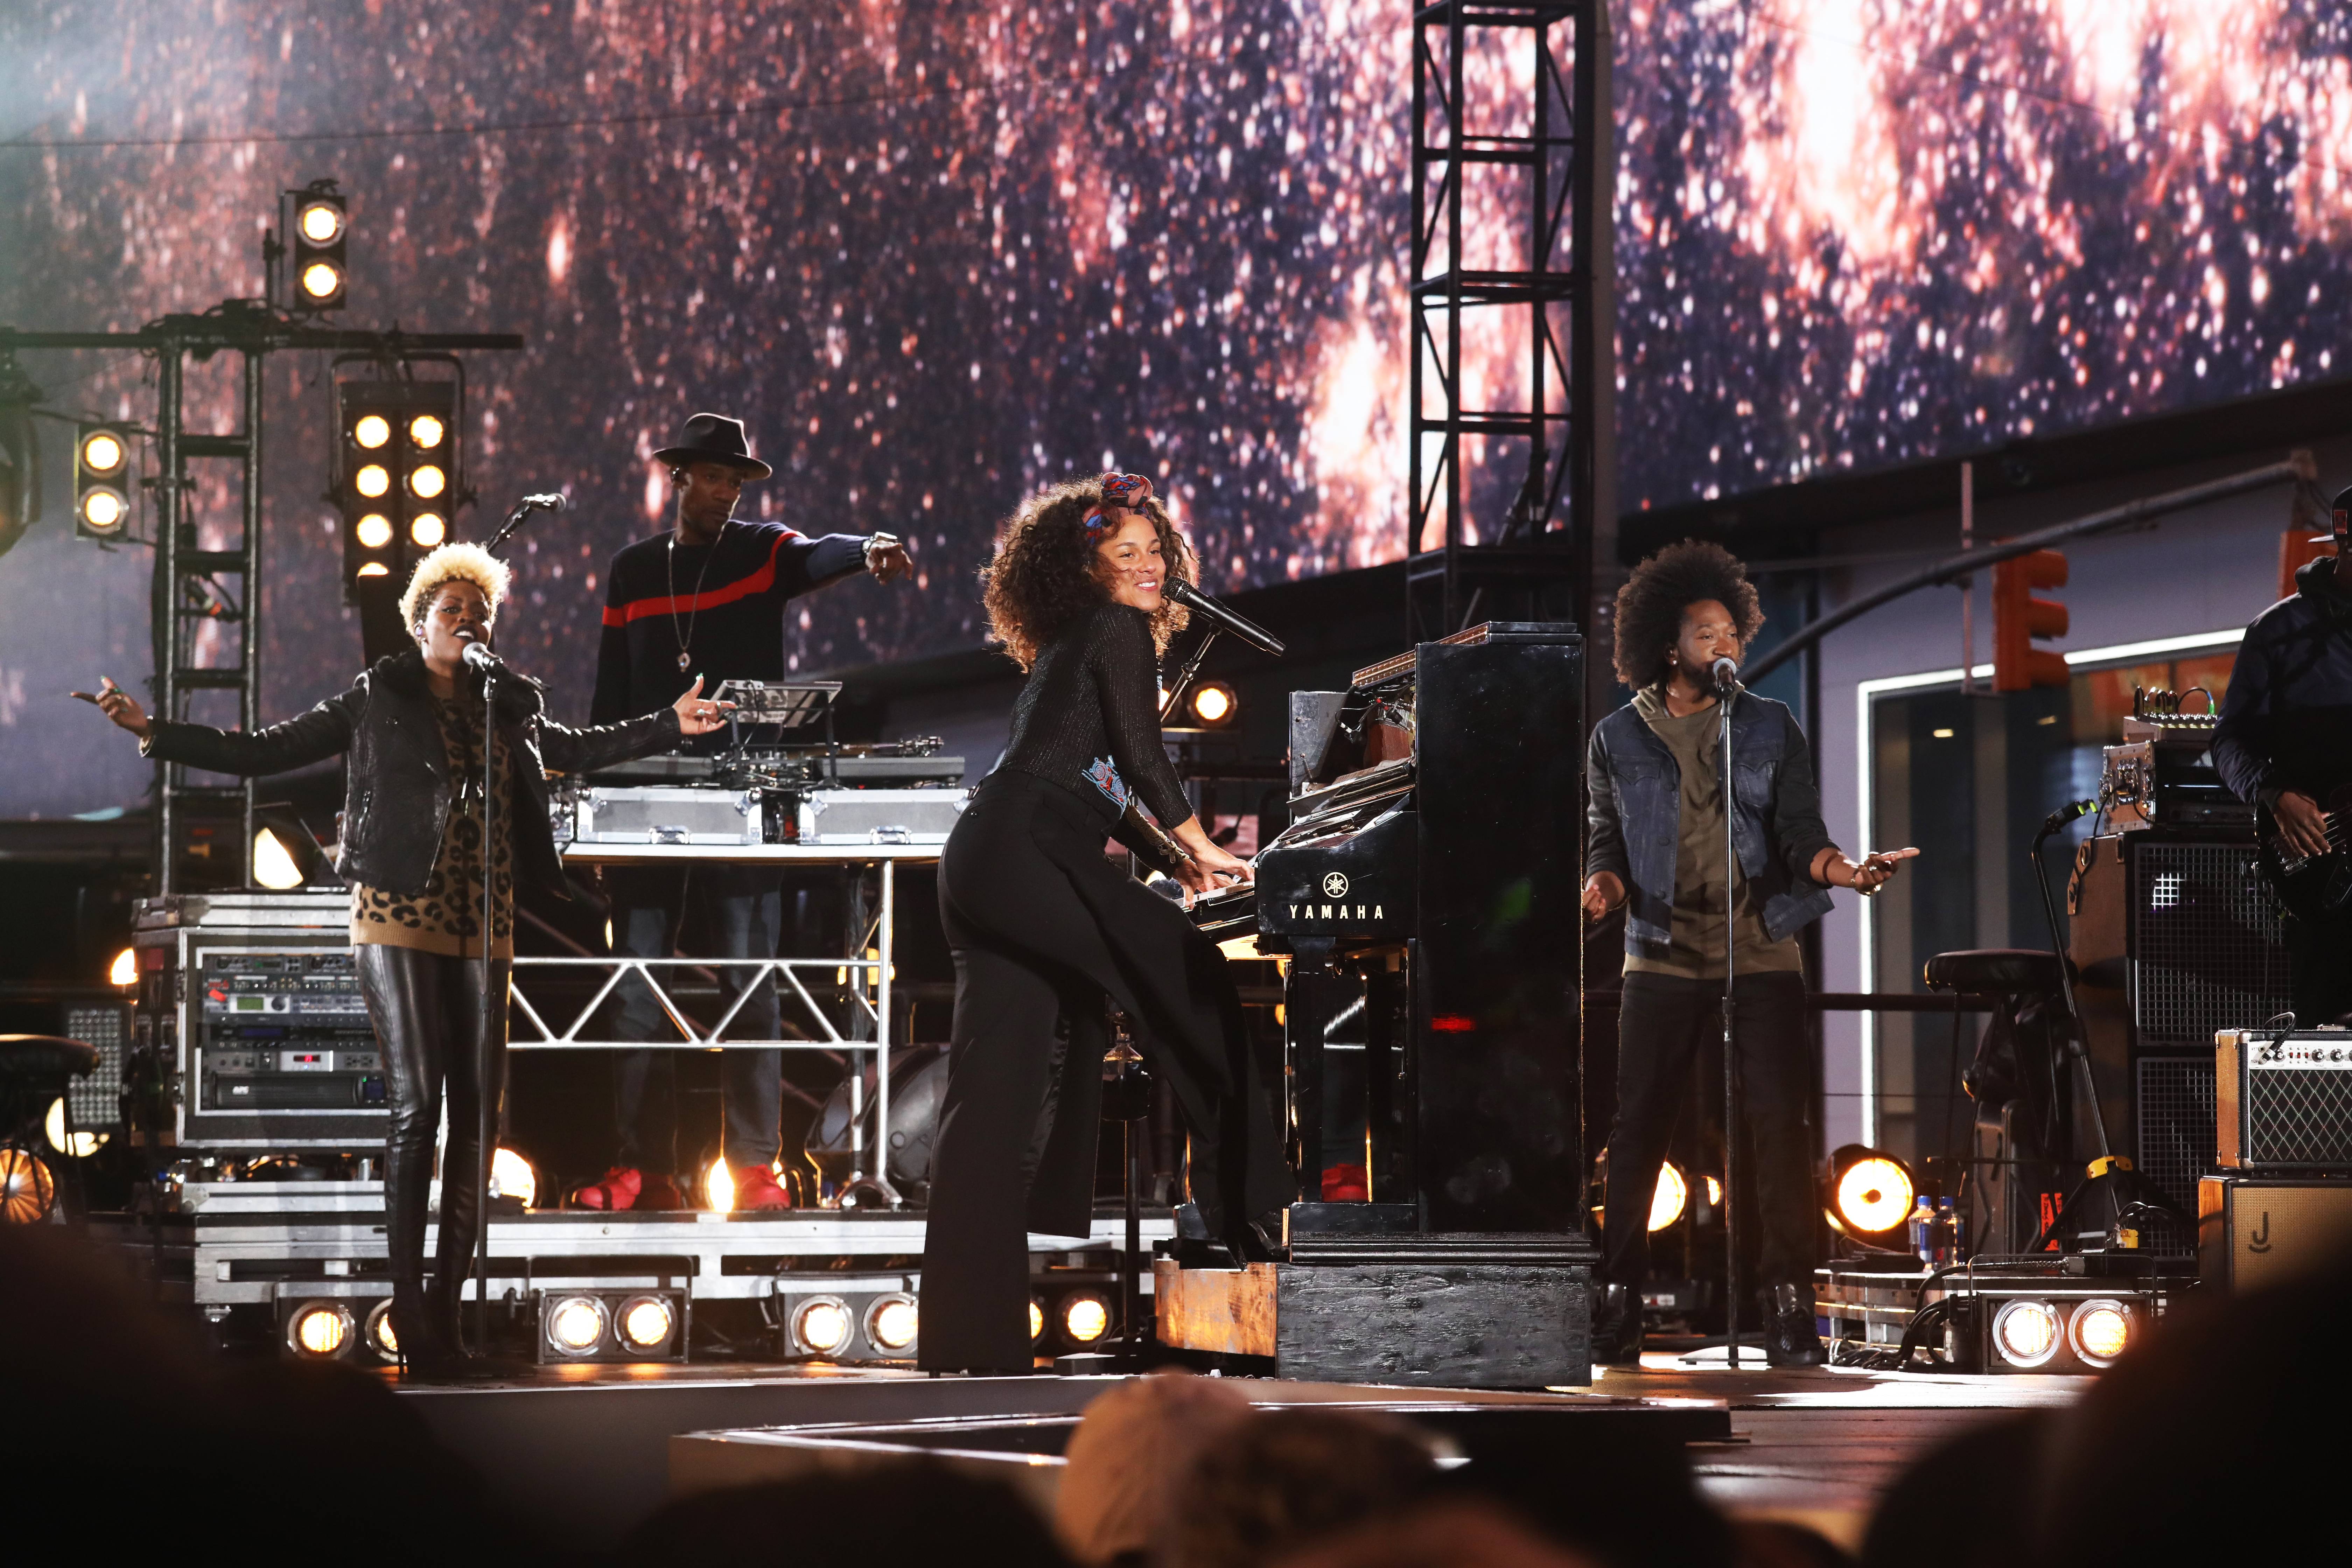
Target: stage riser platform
[
  {"x": 1414, "y": 1325},
  {"x": 253, "y": 1244}
]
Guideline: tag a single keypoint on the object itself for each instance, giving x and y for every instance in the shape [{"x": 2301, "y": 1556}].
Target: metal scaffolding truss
[
  {"x": 866, "y": 1013},
  {"x": 1509, "y": 269},
  {"x": 186, "y": 591}
]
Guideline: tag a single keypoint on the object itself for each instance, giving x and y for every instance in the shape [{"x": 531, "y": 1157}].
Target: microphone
[
  {"x": 1191, "y": 598},
  {"x": 2066, "y": 813},
  {"x": 554, "y": 500},
  {"x": 478, "y": 655},
  {"x": 1726, "y": 677}
]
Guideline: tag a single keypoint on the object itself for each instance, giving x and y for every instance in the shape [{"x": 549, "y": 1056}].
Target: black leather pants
[{"x": 426, "y": 1009}]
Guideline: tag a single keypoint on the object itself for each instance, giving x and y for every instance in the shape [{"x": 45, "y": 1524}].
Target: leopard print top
[{"x": 446, "y": 917}]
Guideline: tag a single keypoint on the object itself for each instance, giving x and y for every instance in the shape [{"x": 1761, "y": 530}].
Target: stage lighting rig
[
  {"x": 399, "y": 474},
  {"x": 1213, "y": 704},
  {"x": 320, "y": 1330},
  {"x": 102, "y": 480},
  {"x": 1871, "y": 1194},
  {"x": 624, "y": 1325},
  {"x": 317, "y": 232},
  {"x": 822, "y": 1326}
]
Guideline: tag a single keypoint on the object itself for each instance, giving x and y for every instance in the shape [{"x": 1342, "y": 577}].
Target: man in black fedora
[{"x": 705, "y": 598}]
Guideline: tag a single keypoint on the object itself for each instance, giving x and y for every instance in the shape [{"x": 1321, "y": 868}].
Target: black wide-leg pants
[
  {"x": 1663, "y": 1024},
  {"x": 426, "y": 1009},
  {"x": 1042, "y": 929}
]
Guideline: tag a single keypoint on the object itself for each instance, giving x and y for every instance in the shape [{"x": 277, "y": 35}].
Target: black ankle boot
[
  {"x": 1617, "y": 1326},
  {"x": 1790, "y": 1335}
]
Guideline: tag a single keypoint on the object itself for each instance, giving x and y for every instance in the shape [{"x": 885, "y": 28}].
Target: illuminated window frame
[{"x": 1865, "y": 695}]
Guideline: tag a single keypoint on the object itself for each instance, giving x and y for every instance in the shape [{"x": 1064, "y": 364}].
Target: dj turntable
[{"x": 886, "y": 792}]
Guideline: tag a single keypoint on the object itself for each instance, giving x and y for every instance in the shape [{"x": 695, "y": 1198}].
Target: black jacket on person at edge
[
  {"x": 398, "y": 791},
  {"x": 2286, "y": 722}
]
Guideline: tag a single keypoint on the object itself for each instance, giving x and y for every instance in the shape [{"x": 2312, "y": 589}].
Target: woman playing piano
[{"x": 1043, "y": 928}]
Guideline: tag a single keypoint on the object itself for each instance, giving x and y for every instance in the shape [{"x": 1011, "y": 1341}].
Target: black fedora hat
[{"x": 714, "y": 438}]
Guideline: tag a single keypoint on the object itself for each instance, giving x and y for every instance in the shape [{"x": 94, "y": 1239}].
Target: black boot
[
  {"x": 1617, "y": 1326},
  {"x": 1790, "y": 1336}
]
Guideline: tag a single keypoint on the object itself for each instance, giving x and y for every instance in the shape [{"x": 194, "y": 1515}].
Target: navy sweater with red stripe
[{"x": 733, "y": 624}]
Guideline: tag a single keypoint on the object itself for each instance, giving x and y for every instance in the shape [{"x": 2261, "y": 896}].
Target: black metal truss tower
[
  {"x": 1511, "y": 508},
  {"x": 187, "y": 591}
]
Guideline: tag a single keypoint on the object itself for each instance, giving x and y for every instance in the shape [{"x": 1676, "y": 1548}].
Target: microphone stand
[
  {"x": 1184, "y": 676},
  {"x": 2109, "y": 1176},
  {"x": 482, "y": 1052},
  {"x": 1731, "y": 1059},
  {"x": 514, "y": 520}
]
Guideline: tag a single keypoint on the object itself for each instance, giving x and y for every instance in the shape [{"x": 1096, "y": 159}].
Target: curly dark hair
[
  {"x": 1042, "y": 578},
  {"x": 1650, "y": 606}
]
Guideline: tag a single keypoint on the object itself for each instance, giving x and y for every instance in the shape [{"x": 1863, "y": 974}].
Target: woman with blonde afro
[{"x": 411, "y": 728}]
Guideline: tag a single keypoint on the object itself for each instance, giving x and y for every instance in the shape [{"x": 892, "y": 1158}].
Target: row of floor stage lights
[{"x": 1079, "y": 1319}]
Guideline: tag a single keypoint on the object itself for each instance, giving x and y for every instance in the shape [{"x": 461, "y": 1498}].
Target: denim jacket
[{"x": 1634, "y": 817}]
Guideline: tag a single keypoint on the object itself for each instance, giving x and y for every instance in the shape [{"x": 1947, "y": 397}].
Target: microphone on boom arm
[
  {"x": 1191, "y": 598},
  {"x": 551, "y": 500}
]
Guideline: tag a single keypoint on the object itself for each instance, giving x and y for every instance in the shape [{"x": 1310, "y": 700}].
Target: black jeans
[
  {"x": 426, "y": 1009},
  {"x": 1663, "y": 1022},
  {"x": 2319, "y": 970},
  {"x": 1042, "y": 928},
  {"x": 744, "y": 909}
]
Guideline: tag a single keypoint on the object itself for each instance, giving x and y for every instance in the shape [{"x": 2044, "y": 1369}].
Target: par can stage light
[
  {"x": 614, "y": 1325},
  {"x": 320, "y": 1330}
]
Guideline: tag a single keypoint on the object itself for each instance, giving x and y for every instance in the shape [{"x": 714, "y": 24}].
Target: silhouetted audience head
[
  {"x": 1136, "y": 1444},
  {"x": 2214, "y": 1439},
  {"x": 1622, "y": 1499},
  {"x": 1455, "y": 1533},
  {"x": 1279, "y": 1479},
  {"x": 1968, "y": 1503},
  {"x": 124, "y": 1419},
  {"x": 898, "y": 1511}
]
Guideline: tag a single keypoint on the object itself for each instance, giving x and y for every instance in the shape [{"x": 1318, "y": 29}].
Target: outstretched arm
[{"x": 322, "y": 732}]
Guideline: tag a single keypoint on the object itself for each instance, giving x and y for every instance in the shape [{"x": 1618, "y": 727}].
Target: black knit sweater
[
  {"x": 725, "y": 601},
  {"x": 1092, "y": 699}
]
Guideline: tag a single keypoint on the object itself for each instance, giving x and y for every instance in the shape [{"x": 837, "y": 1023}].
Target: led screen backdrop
[{"x": 935, "y": 253}]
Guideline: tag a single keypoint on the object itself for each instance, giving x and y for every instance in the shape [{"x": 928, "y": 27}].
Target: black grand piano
[{"x": 1430, "y": 871}]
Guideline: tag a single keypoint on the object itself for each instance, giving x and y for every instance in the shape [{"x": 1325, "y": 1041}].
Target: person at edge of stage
[
  {"x": 1656, "y": 816},
  {"x": 704, "y": 601},
  {"x": 412, "y": 851},
  {"x": 2285, "y": 743},
  {"x": 1043, "y": 928}
]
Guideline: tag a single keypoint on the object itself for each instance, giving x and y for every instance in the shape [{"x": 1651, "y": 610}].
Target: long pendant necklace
[{"x": 686, "y": 659}]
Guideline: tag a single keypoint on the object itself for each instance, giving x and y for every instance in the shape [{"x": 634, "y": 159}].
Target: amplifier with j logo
[
  {"x": 2253, "y": 1231},
  {"x": 2283, "y": 1101}
]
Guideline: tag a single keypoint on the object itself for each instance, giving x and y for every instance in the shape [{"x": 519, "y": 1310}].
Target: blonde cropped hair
[{"x": 455, "y": 564}]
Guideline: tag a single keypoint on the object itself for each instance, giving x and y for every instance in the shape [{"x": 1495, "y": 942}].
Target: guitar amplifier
[
  {"x": 2253, "y": 1231},
  {"x": 2283, "y": 1102}
]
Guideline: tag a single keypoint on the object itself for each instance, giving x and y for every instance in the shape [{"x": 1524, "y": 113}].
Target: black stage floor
[{"x": 585, "y": 1451}]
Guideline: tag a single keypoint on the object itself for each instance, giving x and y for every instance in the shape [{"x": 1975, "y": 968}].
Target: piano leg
[
  {"x": 1385, "y": 1001},
  {"x": 1306, "y": 1012}
]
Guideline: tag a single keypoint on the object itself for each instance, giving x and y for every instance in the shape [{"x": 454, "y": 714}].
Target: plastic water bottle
[{"x": 1922, "y": 1230}]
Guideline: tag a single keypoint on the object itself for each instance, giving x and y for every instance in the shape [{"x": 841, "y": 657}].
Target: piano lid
[{"x": 1389, "y": 669}]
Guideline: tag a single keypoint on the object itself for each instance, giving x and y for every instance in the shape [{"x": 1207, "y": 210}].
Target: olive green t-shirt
[{"x": 1695, "y": 935}]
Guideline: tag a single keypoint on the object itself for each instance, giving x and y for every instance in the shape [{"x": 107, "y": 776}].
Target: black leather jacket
[{"x": 397, "y": 793}]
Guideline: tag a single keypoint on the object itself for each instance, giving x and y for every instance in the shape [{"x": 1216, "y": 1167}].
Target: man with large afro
[{"x": 1655, "y": 782}]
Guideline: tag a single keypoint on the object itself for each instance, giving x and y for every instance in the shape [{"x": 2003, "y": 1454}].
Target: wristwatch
[{"x": 877, "y": 540}]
